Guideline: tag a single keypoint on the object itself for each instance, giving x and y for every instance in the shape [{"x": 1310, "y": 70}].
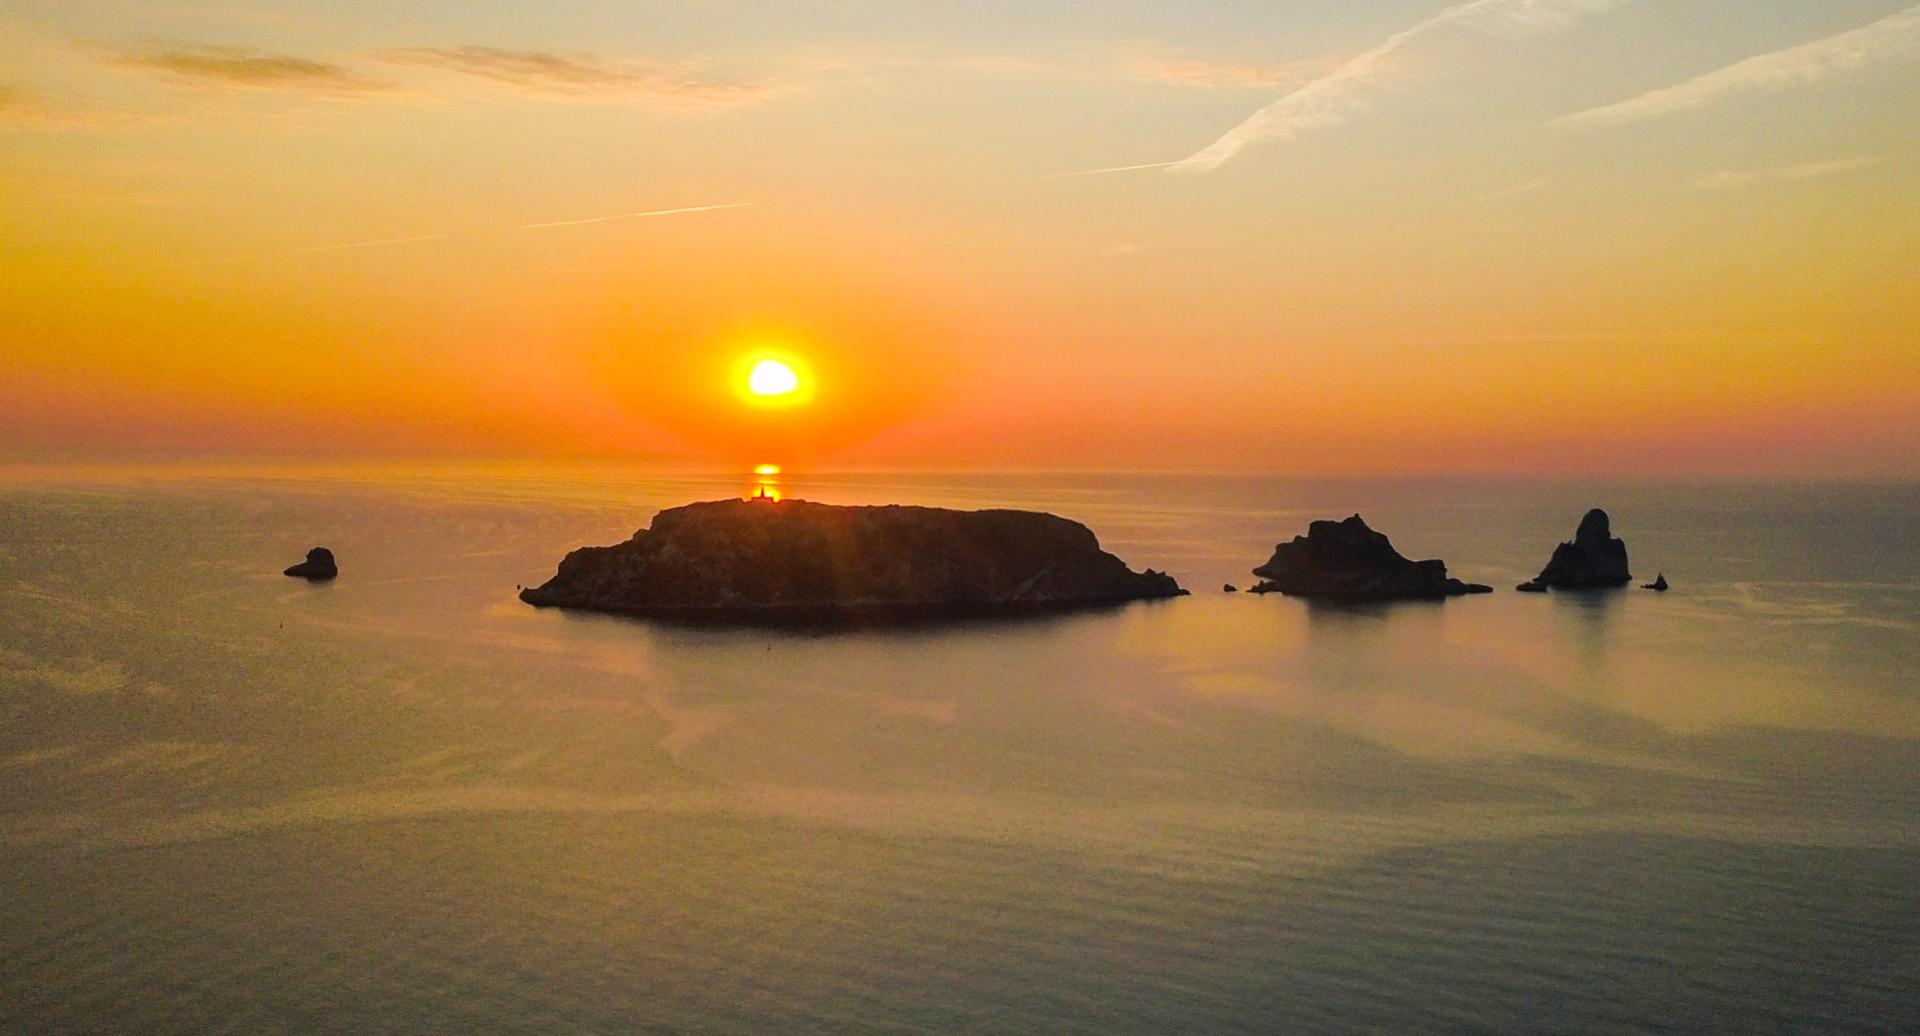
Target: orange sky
[{"x": 1555, "y": 237}]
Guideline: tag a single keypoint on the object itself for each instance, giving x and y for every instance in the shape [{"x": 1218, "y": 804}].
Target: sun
[{"x": 772, "y": 378}]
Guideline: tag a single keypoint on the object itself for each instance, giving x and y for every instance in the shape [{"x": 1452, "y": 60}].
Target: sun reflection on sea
[{"x": 766, "y": 484}]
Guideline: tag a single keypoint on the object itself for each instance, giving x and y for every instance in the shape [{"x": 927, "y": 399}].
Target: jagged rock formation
[
  {"x": 1593, "y": 559},
  {"x": 1659, "y": 584},
  {"x": 318, "y": 566},
  {"x": 734, "y": 561},
  {"x": 1346, "y": 561}
]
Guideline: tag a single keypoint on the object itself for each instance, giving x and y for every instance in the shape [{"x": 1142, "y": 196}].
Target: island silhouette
[
  {"x": 763, "y": 560},
  {"x": 766, "y": 560}
]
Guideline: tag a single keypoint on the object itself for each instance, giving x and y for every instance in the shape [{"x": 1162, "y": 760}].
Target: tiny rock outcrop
[
  {"x": 318, "y": 566},
  {"x": 1593, "y": 559},
  {"x": 1229, "y": 589},
  {"x": 1659, "y": 584},
  {"x": 759, "y": 561},
  {"x": 1346, "y": 561}
]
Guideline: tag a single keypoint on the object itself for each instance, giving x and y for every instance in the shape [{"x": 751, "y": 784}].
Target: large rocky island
[
  {"x": 1348, "y": 562},
  {"x": 1593, "y": 559},
  {"x": 761, "y": 561}
]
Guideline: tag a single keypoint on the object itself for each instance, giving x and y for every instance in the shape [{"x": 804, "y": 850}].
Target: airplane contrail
[
  {"x": 1337, "y": 96},
  {"x": 1332, "y": 98},
  {"x": 368, "y": 244},
  {"x": 1110, "y": 169},
  {"x": 635, "y": 215},
  {"x": 1891, "y": 39}
]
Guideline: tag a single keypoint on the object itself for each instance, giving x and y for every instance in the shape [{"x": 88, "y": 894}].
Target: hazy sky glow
[{"x": 1542, "y": 236}]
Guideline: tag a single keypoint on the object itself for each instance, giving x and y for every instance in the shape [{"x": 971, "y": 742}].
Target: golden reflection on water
[{"x": 766, "y": 484}]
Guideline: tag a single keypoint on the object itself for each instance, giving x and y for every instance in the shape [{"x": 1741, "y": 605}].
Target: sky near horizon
[{"x": 1493, "y": 236}]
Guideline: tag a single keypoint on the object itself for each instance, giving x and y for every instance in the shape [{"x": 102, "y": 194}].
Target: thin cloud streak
[
  {"x": 1533, "y": 186},
  {"x": 1891, "y": 38},
  {"x": 341, "y": 247},
  {"x": 584, "y": 76},
  {"x": 1338, "y": 96},
  {"x": 1109, "y": 169},
  {"x": 1176, "y": 70},
  {"x": 417, "y": 238},
  {"x": 243, "y": 68},
  {"x": 635, "y": 215},
  {"x": 1212, "y": 76},
  {"x": 549, "y": 76},
  {"x": 1727, "y": 178},
  {"x": 1519, "y": 338},
  {"x": 372, "y": 244}
]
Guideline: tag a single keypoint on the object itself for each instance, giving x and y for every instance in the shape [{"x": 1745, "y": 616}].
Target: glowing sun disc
[{"x": 772, "y": 378}]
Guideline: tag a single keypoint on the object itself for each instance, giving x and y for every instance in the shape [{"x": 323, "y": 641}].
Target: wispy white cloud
[
  {"x": 1514, "y": 190},
  {"x": 18, "y": 108},
  {"x": 1517, "y": 338},
  {"x": 386, "y": 242},
  {"x": 1893, "y": 38},
  {"x": 1165, "y": 66},
  {"x": 586, "y": 77},
  {"x": 1341, "y": 94},
  {"x": 547, "y": 75},
  {"x": 68, "y": 188},
  {"x": 1726, "y": 178},
  {"x": 243, "y": 68},
  {"x": 315, "y": 249},
  {"x": 33, "y": 113},
  {"x": 635, "y": 215},
  {"x": 1213, "y": 74}
]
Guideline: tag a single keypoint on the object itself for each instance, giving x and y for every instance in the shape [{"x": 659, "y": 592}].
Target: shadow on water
[
  {"x": 905, "y": 624},
  {"x": 1589, "y": 618},
  {"x": 1339, "y": 614},
  {"x": 1356, "y": 645}
]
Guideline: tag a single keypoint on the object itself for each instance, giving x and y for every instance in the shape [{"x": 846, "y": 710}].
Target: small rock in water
[
  {"x": 318, "y": 566},
  {"x": 1659, "y": 584},
  {"x": 1532, "y": 586},
  {"x": 1229, "y": 589}
]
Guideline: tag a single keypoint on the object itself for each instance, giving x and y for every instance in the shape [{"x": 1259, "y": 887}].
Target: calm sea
[{"x": 404, "y": 802}]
